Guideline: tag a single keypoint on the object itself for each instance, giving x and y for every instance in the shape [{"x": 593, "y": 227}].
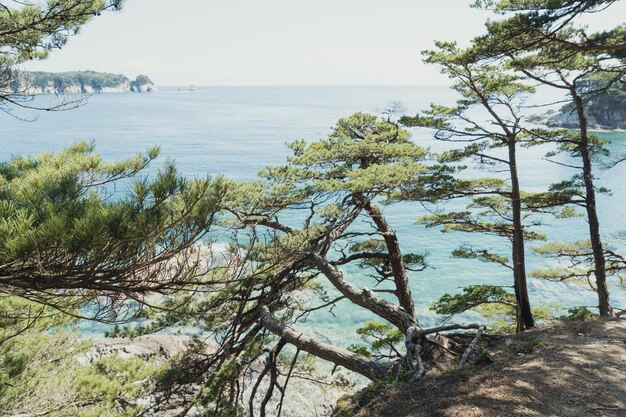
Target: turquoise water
[{"x": 236, "y": 131}]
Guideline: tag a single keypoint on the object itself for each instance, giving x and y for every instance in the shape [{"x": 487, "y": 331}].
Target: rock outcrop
[
  {"x": 605, "y": 118},
  {"x": 164, "y": 347},
  {"x": 314, "y": 394},
  {"x": 605, "y": 102},
  {"x": 142, "y": 84}
]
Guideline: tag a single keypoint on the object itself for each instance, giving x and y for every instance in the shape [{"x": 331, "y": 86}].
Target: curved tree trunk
[
  {"x": 349, "y": 360},
  {"x": 403, "y": 290},
  {"x": 363, "y": 297}
]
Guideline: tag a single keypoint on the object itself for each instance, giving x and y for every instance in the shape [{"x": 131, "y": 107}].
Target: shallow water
[{"x": 236, "y": 131}]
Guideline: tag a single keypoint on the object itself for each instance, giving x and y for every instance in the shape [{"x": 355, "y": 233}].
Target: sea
[{"x": 237, "y": 131}]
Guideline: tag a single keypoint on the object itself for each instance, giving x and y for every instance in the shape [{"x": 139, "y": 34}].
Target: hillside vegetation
[
  {"x": 254, "y": 272},
  {"x": 82, "y": 82}
]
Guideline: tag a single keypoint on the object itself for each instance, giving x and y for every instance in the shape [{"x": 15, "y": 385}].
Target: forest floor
[{"x": 566, "y": 370}]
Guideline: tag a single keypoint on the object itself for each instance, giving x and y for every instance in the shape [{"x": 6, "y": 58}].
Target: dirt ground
[{"x": 573, "y": 370}]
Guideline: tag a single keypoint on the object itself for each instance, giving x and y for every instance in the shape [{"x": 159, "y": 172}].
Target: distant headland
[
  {"x": 605, "y": 107},
  {"x": 82, "y": 82}
]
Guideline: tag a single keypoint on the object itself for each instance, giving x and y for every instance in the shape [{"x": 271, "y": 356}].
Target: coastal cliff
[
  {"x": 605, "y": 108},
  {"x": 82, "y": 82}
]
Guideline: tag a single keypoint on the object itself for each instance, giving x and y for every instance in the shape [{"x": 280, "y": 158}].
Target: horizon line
[{"x": 302, "y": 85}]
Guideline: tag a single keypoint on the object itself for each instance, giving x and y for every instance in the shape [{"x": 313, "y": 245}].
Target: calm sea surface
[{"x": 236, "y": 131}]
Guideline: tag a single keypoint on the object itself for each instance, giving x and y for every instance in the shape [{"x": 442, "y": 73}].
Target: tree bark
[
  {"x": 349, "y": 360},
  {"x": 525, "y": 318},
  {"x": 590, "y": 206},
  {"x": 363, "y": 297},
  {"x": 401, "y": 279}
]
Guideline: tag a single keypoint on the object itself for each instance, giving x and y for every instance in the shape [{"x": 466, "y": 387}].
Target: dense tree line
[
  {"x": 64, "y": 81},
  {"x": 69, "y": 250}
]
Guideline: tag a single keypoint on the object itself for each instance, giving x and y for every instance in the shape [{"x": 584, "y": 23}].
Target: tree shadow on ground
[{"x": 577, "y": 370}]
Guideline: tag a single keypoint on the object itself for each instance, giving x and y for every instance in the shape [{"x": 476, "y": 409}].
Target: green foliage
[
  {"x": 535, "y": 41},
  {"x": 61, "y": 229},
  {"x": 30, "y": 30},
  {"x": 550, "y": 24},
  {"x": 486, "y": 118},
  {"x": 332, "y": 185},
  {"x": 502, "y": 318},
  {"x": 116, "y": 382},
  {"x": 308, "y": 363},
  {"x": 69, "y": 81},
  {"x": 383, "y": 340},
  {"x": 362, "y": 401},
  {"x": 360, "y": 350},
  {"x": 546, "y": 311},
  {"x": 482, "y": 357},
  {"x": 579, "y": 314},
  {"x": 529, "y": 346},
  {"x": 574, "y": 262},
  {"x": 344, "y": 407},
  {"x": 362, "y": 154},
  {"x": 483, "y": 255},
  {"x": 40, "y": 374},
  {"x": 492, "y": 302},
  {"x": 18, "y": 315},
  {"x": 472, "y": 297}
]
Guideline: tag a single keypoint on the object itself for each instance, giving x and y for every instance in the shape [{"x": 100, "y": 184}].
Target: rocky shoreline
[
  {"x": 565, "y": 119},
  {"x": 605, "y": 107},
  {"x": 309, "y": 395}
]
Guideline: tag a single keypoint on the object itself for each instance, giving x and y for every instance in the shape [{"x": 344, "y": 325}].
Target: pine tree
[
  {"x": 487, "y": 118},
  {"x": 552, "y": 50},
  {"x": 66, "y": 241},
  {"x": 298, "y": 230}
]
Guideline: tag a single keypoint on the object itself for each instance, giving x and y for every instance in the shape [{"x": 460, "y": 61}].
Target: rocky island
[
  {"x": 142, "y": 84},
  {"x": 606, "y": 108},
  {"x": 82, "y": 82}
]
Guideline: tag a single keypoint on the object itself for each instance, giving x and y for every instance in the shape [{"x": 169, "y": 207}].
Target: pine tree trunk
[
  {"x": 401, "y": 279},
  {"x": 592, "y": 213},
  {"x": 362, "y": 365},
  {"x": 525, "y": 318},
  {"x": 365, "y": 298}
]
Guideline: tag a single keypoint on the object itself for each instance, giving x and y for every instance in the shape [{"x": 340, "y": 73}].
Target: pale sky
[{"x": 274, "y": 42}]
